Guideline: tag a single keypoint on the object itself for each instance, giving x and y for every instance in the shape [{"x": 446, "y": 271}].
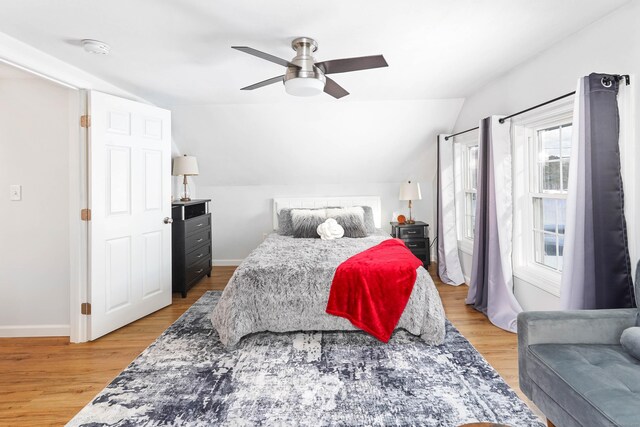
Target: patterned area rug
[{"x": 186, "y": 377}]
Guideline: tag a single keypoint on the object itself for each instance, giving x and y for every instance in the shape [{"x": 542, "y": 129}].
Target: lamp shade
[
  {"x": 185, "y": 165},
  {"x": 410, "y": 191}
]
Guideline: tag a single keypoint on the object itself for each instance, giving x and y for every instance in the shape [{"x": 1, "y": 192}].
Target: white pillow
[{"x": 330, "y": 230}]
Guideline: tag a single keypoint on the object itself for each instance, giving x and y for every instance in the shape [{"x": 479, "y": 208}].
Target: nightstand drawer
[
  {"x": 198, "y": 239},
  {"x": 200, "y": 254},
  {"x": 421, "y": 255},
  {"x": 196, "y": 224},
  {"x": 416, "y": 244},
  {"x": 412, "y": 232},
  {"x": 197, "y": 270}
]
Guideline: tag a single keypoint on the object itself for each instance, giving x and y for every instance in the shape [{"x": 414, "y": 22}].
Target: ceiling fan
[{"x": 305, "y": 76}]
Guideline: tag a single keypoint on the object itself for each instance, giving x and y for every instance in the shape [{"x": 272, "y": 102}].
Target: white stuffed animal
[{"x": 330, "y": 230}]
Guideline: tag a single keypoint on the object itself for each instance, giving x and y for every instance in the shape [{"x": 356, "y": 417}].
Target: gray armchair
[{"x": 573, "y": 367}]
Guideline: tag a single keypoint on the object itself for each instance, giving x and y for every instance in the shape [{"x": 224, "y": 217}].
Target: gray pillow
[
  {"x": 630, "y": 341},
  {"x": 285, "y": 224},
  {"x": 352, "y": 224},
  {"x": 306, "y": 221},
  {"x": 369, "y": 223}
]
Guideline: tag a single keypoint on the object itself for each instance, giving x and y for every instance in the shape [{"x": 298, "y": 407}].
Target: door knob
[{"x": 168, "y": 220}]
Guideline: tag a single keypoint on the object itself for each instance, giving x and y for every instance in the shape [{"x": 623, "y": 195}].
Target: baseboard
[
  {"x": 34, "y": 331},
  {"x": 226, "y": 262}
]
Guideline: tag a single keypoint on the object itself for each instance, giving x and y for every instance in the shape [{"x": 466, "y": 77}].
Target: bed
[{"x": 283, "y": 285}]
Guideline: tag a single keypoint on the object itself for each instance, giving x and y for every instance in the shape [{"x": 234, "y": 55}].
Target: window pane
[
  {"x": 549, "y": 143},
  {"x": 473, "y": 167},
  {"x": 566, "y": 131},
  {"x": 562, "y": 213},
  {"x": 470, "y": 226},
  {"x": 560, "y": 251},
  {"x": 473, "y": 204},
  {"x": 537, "y": 213},
  {"x": 545, "y": 214},
  {"x": 546, "y": 249},
  {"x": 470, "y": 214},
  {"x": 565, "y": 174},
  {"x": 551, "y": 176}
]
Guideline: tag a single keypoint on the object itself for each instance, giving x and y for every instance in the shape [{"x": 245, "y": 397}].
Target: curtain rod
[{"x": 617, "y": 77}]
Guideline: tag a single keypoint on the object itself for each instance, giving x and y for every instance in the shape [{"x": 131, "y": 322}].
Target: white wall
[
  {"x": 35, "y": 232},
  {"x": 609, "y": 45},
  {"x": 249, "y": 154}
]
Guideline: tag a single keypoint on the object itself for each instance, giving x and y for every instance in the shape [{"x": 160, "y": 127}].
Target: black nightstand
[
  {"x": 191, "y": 243},
  {"x": 416, "y": 237}
]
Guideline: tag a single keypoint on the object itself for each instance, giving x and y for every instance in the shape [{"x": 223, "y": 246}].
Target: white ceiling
[{"x": 178, "y": 52}]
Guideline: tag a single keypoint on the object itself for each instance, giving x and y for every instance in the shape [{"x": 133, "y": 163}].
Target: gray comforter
[{"x": 283, "y": 286}]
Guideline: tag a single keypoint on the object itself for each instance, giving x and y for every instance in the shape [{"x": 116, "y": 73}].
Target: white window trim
[
  {"x": 461, "y": 143},
  {"x": 524, "y": 159}
]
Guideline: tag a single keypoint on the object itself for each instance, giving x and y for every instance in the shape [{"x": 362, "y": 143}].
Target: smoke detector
[{"x": 96, "y": 46}]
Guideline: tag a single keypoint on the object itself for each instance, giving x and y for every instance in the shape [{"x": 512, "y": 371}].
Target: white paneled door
[{"x": 130, "y": 201}]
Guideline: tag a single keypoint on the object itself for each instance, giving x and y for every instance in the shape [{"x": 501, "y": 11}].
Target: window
[
  {"x": 541, "y": 154},
  {"x": 470, "y": 189},
  {"x": 549, "y": 175}
]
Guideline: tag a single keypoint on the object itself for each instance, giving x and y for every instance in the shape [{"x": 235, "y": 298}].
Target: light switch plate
[{"x": 15, "y": 192}]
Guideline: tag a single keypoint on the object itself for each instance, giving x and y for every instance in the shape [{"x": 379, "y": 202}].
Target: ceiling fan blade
[
  {"x": 264, "y": 83},
  {"x": 268, "y": 57},
  {"x": 334, "y": 89},
  {"x": 335, "y": 66}
]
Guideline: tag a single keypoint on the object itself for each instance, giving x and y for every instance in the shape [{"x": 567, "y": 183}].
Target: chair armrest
[{"x": 569, "y": 327}]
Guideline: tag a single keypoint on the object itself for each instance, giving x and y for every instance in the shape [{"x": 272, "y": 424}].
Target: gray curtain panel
[
  {"x": 449, "y": 268},
  {"x": 597, "y": 268},
  {"x": 491, "y": 287}
]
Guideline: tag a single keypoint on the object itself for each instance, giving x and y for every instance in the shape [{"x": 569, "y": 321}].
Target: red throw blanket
[{"x": 372, "y": 288}]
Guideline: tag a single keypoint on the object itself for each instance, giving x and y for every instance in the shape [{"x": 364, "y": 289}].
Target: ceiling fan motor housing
[{"x": 308, "y": 80}]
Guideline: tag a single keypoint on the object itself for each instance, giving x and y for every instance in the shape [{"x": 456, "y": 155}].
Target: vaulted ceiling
[{"x": 178, "y": 52}]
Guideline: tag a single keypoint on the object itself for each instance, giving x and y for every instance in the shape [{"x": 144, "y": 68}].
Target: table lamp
[
  {"x": 410, "y": 191},
  {"x": 186, "y": 166}
]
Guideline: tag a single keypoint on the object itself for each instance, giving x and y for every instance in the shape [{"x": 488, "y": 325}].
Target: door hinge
[
  {"x": 85, "y": 121},
  {"x": 85, "y": 214},
  {"x": 85, "y": 308}
]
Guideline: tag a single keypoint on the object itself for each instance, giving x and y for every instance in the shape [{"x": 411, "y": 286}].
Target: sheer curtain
[
  {"x": 491, "y": 287},
  {"x": 597, "y": 268},
  {"x": 449, "y": 268}
]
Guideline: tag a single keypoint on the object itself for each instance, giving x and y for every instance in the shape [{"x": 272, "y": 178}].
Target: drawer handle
[
  {"x": 411, "y": 232},
  {"x": 200, "y": 256},
  {"x": 199, "y": 240},
  {"x": 200, "y": 271},
  {"x": 200, "y": 225},
  {"x": 412, "y": 245}
]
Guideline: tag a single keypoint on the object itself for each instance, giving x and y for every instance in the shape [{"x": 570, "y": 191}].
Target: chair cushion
[
  {"x": 596, "y": 384},
  {"x": 630, "y": 341}
]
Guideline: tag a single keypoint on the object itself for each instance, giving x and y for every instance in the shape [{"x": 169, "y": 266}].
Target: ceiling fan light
[{"x": 304, "y": 86}]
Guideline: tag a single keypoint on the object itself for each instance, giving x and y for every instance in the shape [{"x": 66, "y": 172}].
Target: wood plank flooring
[{"x": 46, "y": 381}]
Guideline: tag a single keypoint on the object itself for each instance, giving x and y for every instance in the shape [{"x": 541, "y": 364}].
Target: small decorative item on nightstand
[
  {"x": 416, "y": 237},
  {"x": 191, "y": 253}
]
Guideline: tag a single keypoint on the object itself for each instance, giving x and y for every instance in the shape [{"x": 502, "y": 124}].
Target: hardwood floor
[{"x": 46, "y": 381}]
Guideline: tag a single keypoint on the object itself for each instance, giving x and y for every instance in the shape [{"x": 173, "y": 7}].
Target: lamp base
[
  {"x": 185, "y": 199},
  {"x": 410, "y": 221}
]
